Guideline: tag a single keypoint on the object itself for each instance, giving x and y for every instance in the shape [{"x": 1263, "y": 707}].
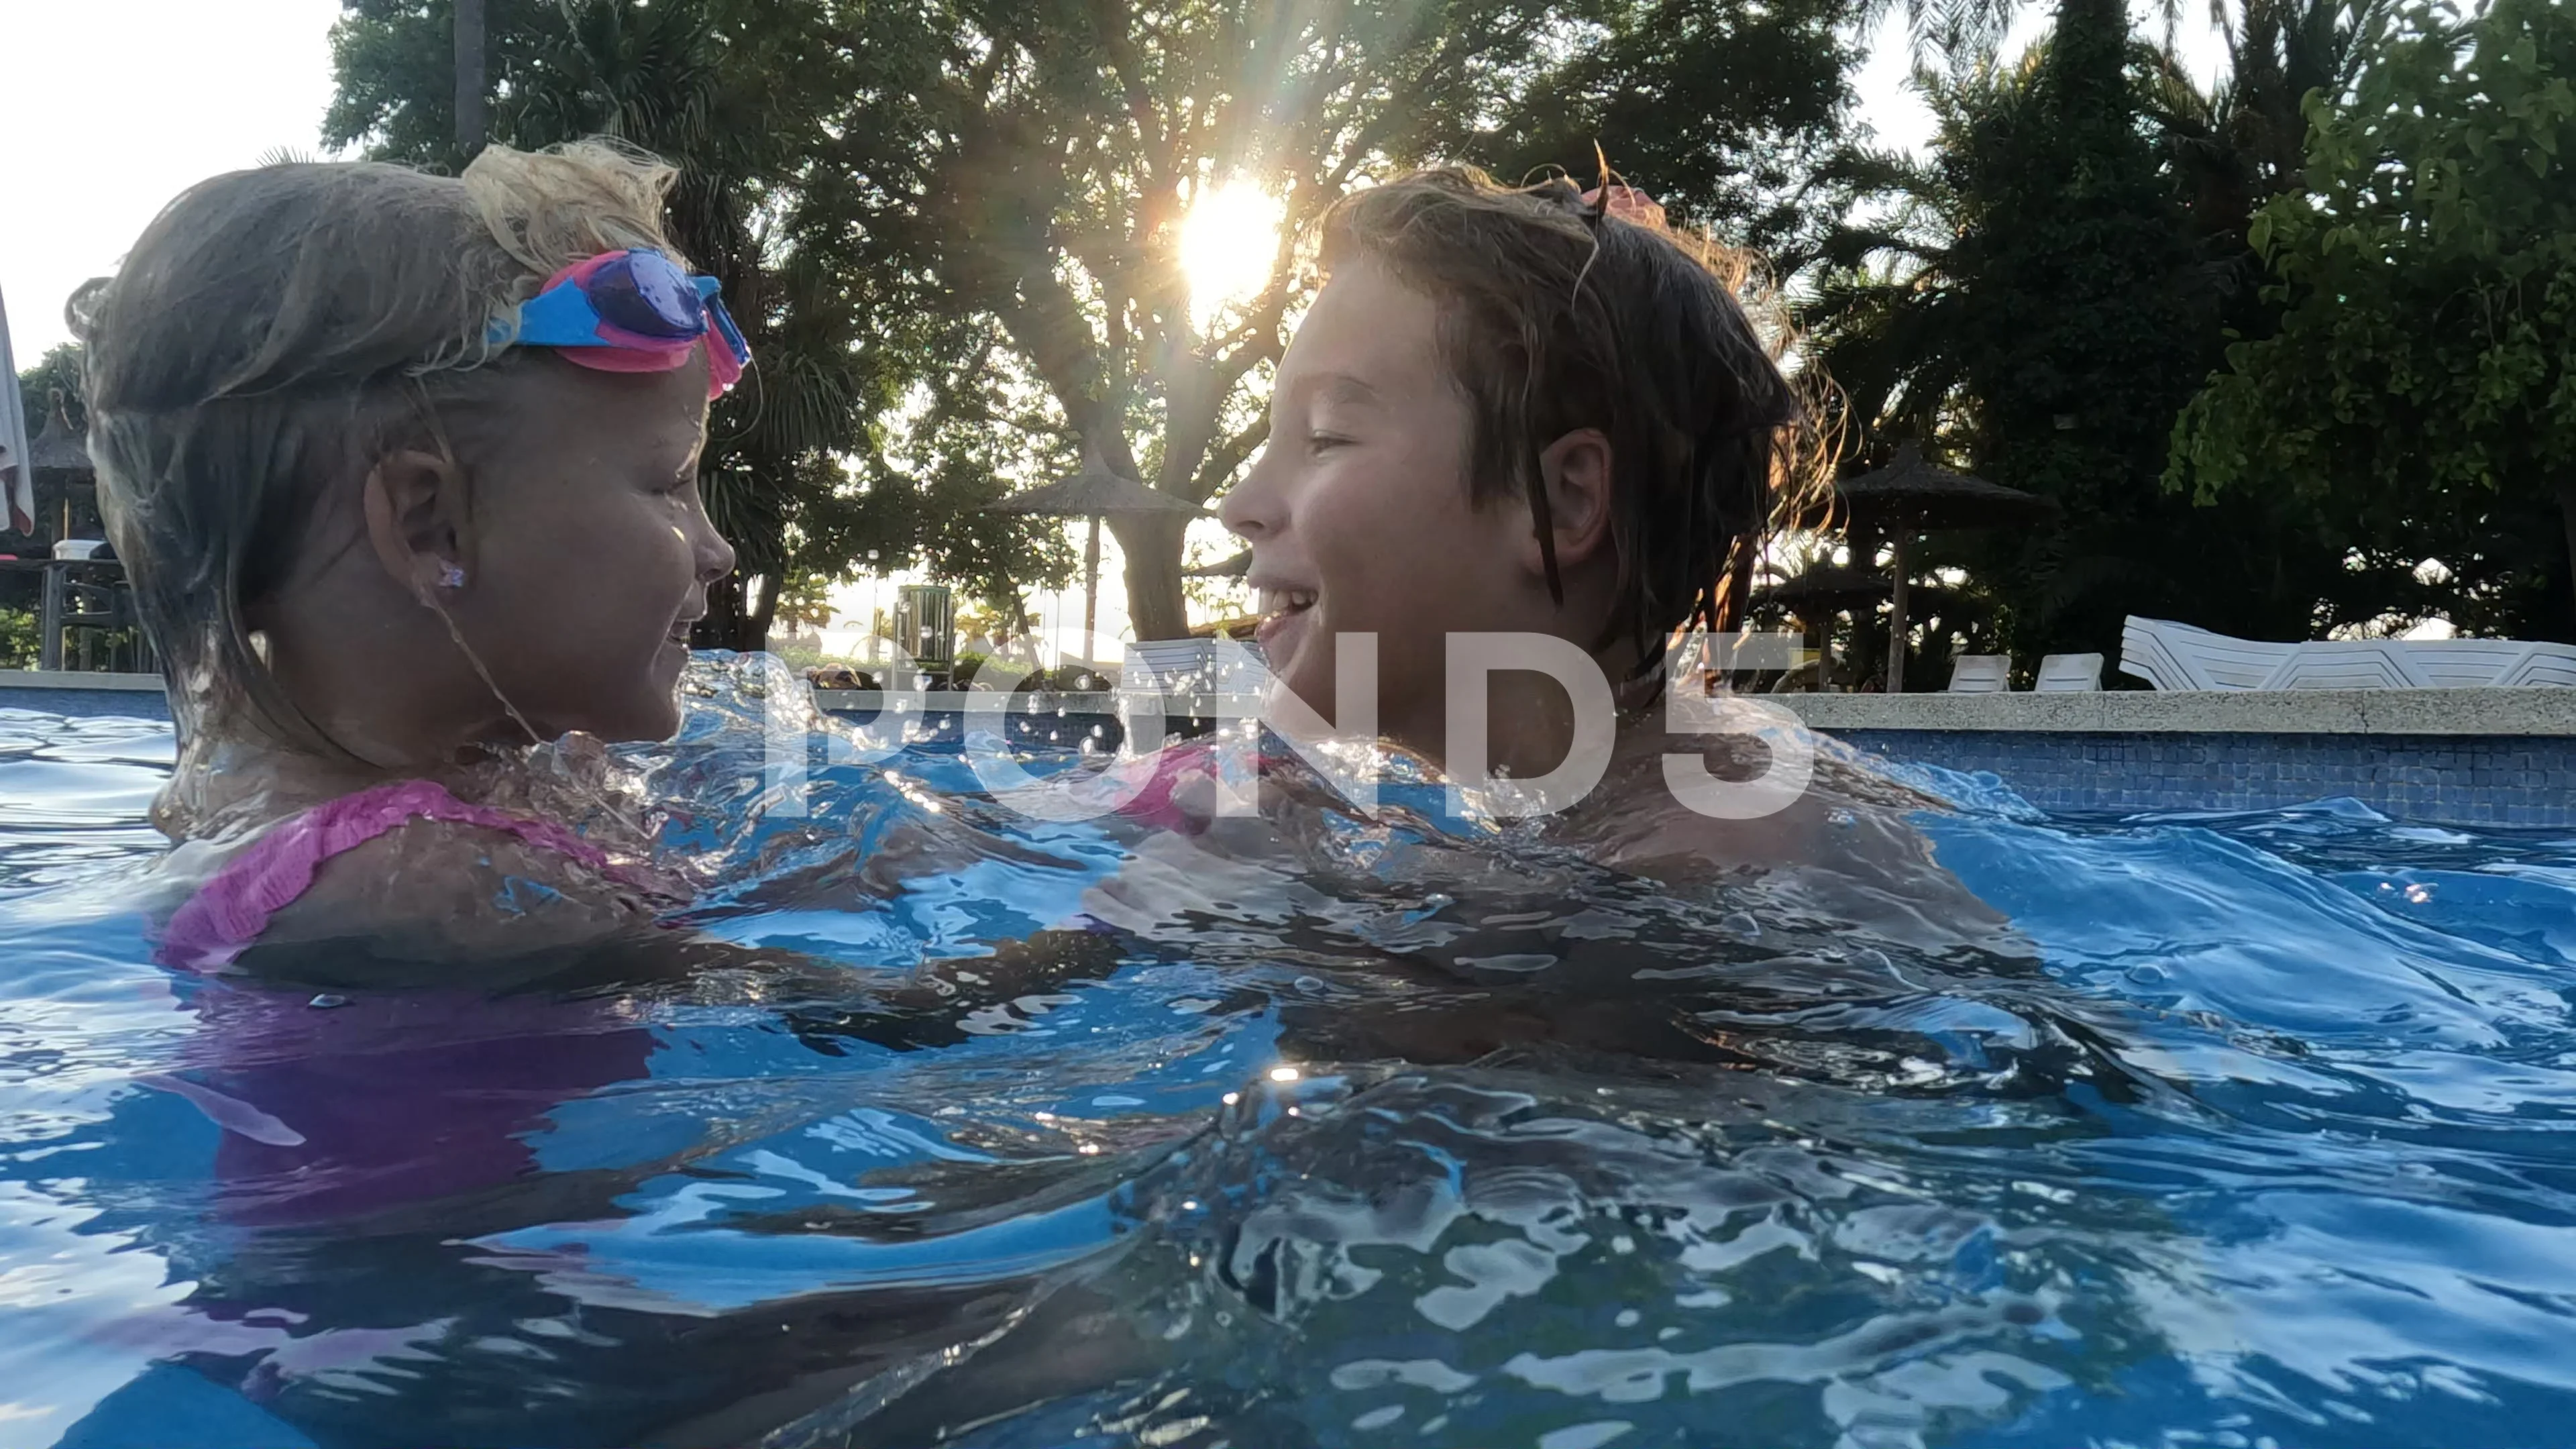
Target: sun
[{"x": 1228, "y": 242}]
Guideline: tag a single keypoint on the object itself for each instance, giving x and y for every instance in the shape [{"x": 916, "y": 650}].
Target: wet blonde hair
[{"x": 277, "y": 331}]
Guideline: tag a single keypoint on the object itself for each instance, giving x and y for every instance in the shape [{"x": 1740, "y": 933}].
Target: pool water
[{"x": 2267, "y": 1138}]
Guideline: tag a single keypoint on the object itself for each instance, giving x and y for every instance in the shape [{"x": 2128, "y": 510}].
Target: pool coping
[
  {"x": 2491, "y": 712},
  {"x": 2528, "y": 713},
  {"x": 77, "y": 679},
  {"x": 2522, "y": 713}
]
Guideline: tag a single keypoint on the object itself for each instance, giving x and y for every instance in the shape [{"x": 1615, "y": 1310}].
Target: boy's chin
[{"x": 1312, "y": 688}]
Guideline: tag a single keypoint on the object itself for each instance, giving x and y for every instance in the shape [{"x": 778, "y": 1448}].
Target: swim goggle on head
[{"x": 630, "y": 311}]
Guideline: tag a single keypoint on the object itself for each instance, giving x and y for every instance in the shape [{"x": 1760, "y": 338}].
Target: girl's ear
[
  {"x": 417, "y": 524},
  {"x": 1576, "y": 471}
]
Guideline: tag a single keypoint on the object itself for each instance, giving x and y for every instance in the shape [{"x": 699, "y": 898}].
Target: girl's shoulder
[{"x": 410, "y": 866}]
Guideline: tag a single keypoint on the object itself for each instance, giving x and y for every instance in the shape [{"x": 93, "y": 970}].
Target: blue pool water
[{"x": 2269, "y": 1138}]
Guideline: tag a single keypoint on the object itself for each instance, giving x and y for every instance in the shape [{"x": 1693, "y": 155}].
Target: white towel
[{"x": 17, "y": 478}]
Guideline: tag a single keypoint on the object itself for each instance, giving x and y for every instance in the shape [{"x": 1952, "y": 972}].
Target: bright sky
[{"x": 114, "y": 106}]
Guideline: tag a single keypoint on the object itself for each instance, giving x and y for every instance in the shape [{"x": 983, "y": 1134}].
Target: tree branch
[
  {"x": 1128, "y": 65},
  {"x": 1227, "y": 456}
]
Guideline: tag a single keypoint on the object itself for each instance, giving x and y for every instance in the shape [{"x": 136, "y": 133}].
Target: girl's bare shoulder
[{"x": 438, "y": 889}]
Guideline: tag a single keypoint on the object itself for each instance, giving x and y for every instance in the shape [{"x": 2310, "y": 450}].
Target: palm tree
[
  {"x": 2243, "y": 141},
  {"x": 690, "y": 82},
  {"x": 1926, "y": 319}
]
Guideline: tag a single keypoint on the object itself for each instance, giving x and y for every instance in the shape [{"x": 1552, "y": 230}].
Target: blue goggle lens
[{"x": 644, "y": 293}]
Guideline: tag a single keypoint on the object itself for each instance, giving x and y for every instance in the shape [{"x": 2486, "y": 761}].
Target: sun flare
[{"x": 1228, "y": 242}]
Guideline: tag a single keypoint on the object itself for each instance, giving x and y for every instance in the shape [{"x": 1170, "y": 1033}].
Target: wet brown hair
[
  {"x": 277, "y": 331},
  {"x": 1558, "y": 315}
]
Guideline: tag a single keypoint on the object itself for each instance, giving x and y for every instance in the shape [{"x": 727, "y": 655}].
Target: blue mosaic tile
[{"x": 2449, "y": 780}]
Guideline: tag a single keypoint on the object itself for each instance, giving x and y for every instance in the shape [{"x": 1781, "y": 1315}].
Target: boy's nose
[{"x": 1251, "y": 508}]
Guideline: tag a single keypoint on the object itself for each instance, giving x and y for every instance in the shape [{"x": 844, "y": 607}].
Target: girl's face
[
  {"x": 593, "y": 551},
  {"x": 1359, "y": 512}
]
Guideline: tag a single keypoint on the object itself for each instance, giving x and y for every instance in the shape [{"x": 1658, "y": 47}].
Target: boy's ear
[
  {"x": 1576, "y": 471},
  {"x": 416, "y": 522}
]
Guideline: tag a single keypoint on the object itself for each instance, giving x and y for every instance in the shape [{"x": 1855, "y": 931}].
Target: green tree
[
  {"x": 2232, "y": 148},
  {"x": 958, "y": 223},
  {"x": 18, "y": 638},
  {"x": 56, "y": 375},
  {"x": 2422, "y": 380},
  {"x": 2038, "y": 301},
  {"x": 1035, "y": 165},
  {"x": 2090, "y": 326},
  {"x": 1731, "y": 115}
]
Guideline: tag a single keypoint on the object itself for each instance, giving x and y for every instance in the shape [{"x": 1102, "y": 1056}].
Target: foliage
[
  {"x": 1729, "y": 113},
  {"x": 2422, "y": 381},
  {"x": 800, "y": 654},
  {"x": 956, "y": 224},
  {"x": 18, "y": 639},
  {"x": 2242, "y": 143},
  {"x": 2045, "y": 295},
  {"x": 56, "y": 374},
  {"x": 803, "y": 600},
  {"x": 1035, "y": 166}
]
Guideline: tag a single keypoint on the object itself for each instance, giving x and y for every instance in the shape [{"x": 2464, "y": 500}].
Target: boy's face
[
  {"x": 594, "y": 551},
  {"x": 1359, "y": 513}
]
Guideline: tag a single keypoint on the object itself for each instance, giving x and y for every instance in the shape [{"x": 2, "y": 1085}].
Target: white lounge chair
[
  {"x": 2549, "y": 666},
  {"x": 2348, "y": 664},
  {"x": 1192, "y": 666},
  {"x": 2464, "y": 663},
  {"x": 2177, "y": 656},
  {"x": 2068, "y": 674},
  {"x": 1981, "y": 674}
]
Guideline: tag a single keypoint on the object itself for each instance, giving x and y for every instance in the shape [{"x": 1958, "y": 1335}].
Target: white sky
[{"x": 112, "y": 107}]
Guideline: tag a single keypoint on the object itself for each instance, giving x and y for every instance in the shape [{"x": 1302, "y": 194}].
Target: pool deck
[
  {"x": 2525, "y": 713},
  {"x": 84, "y": 681},
  {"x": 2439, "y": 756}
]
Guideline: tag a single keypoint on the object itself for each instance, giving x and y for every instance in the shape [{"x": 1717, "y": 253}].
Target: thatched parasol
[
  {"x": 1093, "y": 493},
  {"x": 1911, "y": 496},
  {"x": 1929, "y": 498},
  {"x": 1823, "y": 588},
  {"x": 59, "y": 449},
  {"x": 58, "y": 455}
]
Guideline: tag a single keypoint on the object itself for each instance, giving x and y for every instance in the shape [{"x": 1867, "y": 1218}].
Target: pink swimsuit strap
[
  {"x": 1153, "y": 804},
  {"x": 230, "y": 911}
]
